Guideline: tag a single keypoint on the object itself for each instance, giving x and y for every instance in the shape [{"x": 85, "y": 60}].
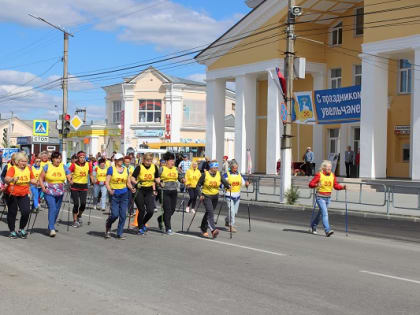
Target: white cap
[{"x": 118, "y": 156}]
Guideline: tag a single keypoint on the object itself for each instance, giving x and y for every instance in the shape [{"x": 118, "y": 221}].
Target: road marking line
[
  {"x": 233, "y": 245},
  {"x": 390, "y": 277}
]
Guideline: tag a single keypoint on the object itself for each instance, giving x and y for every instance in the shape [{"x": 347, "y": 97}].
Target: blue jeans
[
  {"x": 233, "y": 206},
  {"x": 102, "y": 189},
  {"x": 54, "y": 205},
  {"x": 36, "y": 194},
  {"x": 323, "y": 203},
  {"x": 119, "y": 206}
]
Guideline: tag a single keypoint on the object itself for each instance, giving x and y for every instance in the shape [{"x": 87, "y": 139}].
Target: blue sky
[{"x": 108, "y": 33}]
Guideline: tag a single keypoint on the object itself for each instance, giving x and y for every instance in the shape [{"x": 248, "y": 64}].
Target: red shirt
[{"x": 314, "y": 183}]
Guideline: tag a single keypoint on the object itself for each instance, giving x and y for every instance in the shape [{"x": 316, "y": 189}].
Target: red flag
[{"x": 282, "y": 81}]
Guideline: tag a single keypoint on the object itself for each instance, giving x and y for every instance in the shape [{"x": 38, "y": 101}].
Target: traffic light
[
  {"x": 59, "y": 124},
  {"x": 66, "y": 125},
  {"x": 5, "y": 138}
]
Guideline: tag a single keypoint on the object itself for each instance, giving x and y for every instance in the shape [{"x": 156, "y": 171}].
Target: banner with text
[{"x": 341, "y": 105}]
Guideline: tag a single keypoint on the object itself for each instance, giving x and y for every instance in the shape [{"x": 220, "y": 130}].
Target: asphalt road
[{"x": 278, "y": 268}]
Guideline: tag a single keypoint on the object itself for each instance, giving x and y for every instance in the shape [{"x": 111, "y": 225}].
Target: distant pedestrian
[
  {"x": 99, "y": 172},
  {"x": 192, "y": 177},
  {"x": 324, "y": 182},
  {"x": 225, "y": 165},
  {"x": 308, "y": 159},
  {"x": 349, "y": 160},
  {"x": 183, "y": 167},
  {"x": 36, "y": 189}
]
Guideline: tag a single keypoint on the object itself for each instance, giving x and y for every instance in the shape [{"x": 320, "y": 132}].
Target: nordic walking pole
[
  {"x": 162, "y": 184},
  {"x": 68, "y": 212},
  {"x": 249, "y": 212},
  {"x": 90, "y": 211},
  {"x": 347, "y": 225},
  {"x": 230, "y": 212},
  {"x": 220, "y": 209},
  {"x": 192, "y": 220},
  {"x": 183, "y": 212}
]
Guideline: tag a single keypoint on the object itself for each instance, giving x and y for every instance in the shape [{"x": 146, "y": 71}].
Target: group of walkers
[
  {"x": 45, "y": 178},
  {"x": 125, "y": 185}
]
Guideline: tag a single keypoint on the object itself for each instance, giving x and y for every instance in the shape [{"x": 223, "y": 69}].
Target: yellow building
[{"x": 375, "y": 44}]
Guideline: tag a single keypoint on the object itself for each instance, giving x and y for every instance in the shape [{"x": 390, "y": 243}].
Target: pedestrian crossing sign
[{"x": 40, "y": 128}]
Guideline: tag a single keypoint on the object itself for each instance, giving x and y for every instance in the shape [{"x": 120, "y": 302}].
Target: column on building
[
  {"x": 215, "y": 115},
  {"x": 94, "y": 145},
  {"x": 415, "y": 118},
  {"x": 245, "y": 120},
  {"x": 344, "y": 135},
  {"x": 374, "y": 117},
  {"x": 317, "y": 133},
  {"x": 129, "y": 108},
  {"x": 174, "y": 103},
  {"x": 274, "y": 126}
]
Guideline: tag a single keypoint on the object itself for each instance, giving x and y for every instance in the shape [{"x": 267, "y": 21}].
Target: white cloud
[
  {"x": 200, "y": 77},
  {"x": 163, "y": 23}
]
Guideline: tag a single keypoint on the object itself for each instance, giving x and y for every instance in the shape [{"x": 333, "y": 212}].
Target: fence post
[{"x": 388, "y": 200}]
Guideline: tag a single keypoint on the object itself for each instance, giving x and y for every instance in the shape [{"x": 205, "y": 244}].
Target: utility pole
[
  {"x": 65, "y": 78},
  {"x": 286, "y": 141}
]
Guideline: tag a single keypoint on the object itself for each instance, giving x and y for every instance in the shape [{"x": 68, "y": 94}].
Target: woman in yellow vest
[
  {"x": 52, "y": 181},
  {"x": 19, "y": 177},
  {"x": 210, "y": 182},
  {"x": 236, "y": 181},
  {"x": 144, "y": 177},
  {"x": 191, "y": 179},
  {"x": 81, "y": 171},
  {"x": 169, "y": 178},
  {"x": 99, "y": 173},
  {"x": 324, "y": 182},
  {"x": 36, "y": 189},
  {"x": 119, "y": 186}
]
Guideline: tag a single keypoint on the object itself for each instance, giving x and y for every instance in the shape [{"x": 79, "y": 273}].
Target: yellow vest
[
  {"x": 130, "y": 169},
  {"x": 192, "y": 177},
  {"x": 24, "y": 176},
  {"x": 36, "y": 171},
  {"x": 326, "y": 183},
  {"x": 235, "y": 182},
  {"x": 55, "y": 174},
  {"x": 118, "y": 180},
  {"x": 211, "y": 184},
  {"x": 146, "y": 176},
  {"x": 169, "y": 174},
  {"x": 101, "y": 174},
  {"x": 107, "y": 163},
  {"x": 80, "y": 174}
]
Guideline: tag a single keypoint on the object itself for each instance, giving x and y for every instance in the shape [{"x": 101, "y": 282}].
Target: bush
[{"x": 292, "y": 195}]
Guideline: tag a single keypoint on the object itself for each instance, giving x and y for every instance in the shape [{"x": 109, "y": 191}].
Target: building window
[
  {"x": 406, "y": 152},
  {"x": 359, "y": 21},
  {"x": 356, "y": 139},
  {"x": 150, "y": 111},
  {"x": 335, "y": 81},
  {"x": 194, "y": 113},
  {"x": 337, "y": 34},
  {"x": 357, "y": 75},
  {"x": 334, "y": 141},
  {"x": 405, "y": 76},
  {"x": 233, "y": 107},
  {"x": 116, "y": 112}
]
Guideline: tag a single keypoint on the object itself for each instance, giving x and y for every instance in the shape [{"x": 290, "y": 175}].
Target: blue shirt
[
  {"x": 309, "y": 156},
  {"x": 110, "y": 171}
]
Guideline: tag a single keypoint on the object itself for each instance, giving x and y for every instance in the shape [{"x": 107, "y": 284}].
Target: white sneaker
[
  {"x": 52, "y": 233},
  {"x": 192, "y": 211},
  {"x": 187, "y": 209}
]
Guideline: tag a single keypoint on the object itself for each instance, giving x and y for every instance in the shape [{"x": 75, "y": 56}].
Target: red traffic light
[{"x": 67, "y": 117}]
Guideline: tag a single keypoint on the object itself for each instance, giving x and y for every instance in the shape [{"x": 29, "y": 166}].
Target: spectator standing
[
  {"x": 308, "y": 159},
  {"x": 349, "y": 160}
]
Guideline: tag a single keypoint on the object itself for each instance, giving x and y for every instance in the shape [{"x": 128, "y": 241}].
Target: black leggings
[
  {"x": 24, "y": 205},
  {"x": 169, "y": 206},
  {"x": 79, "y": 201},
  {"x": 193, "y": 197},
  {"x": 145, "y": 201},
  {"x": 210, "y": 203}
]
